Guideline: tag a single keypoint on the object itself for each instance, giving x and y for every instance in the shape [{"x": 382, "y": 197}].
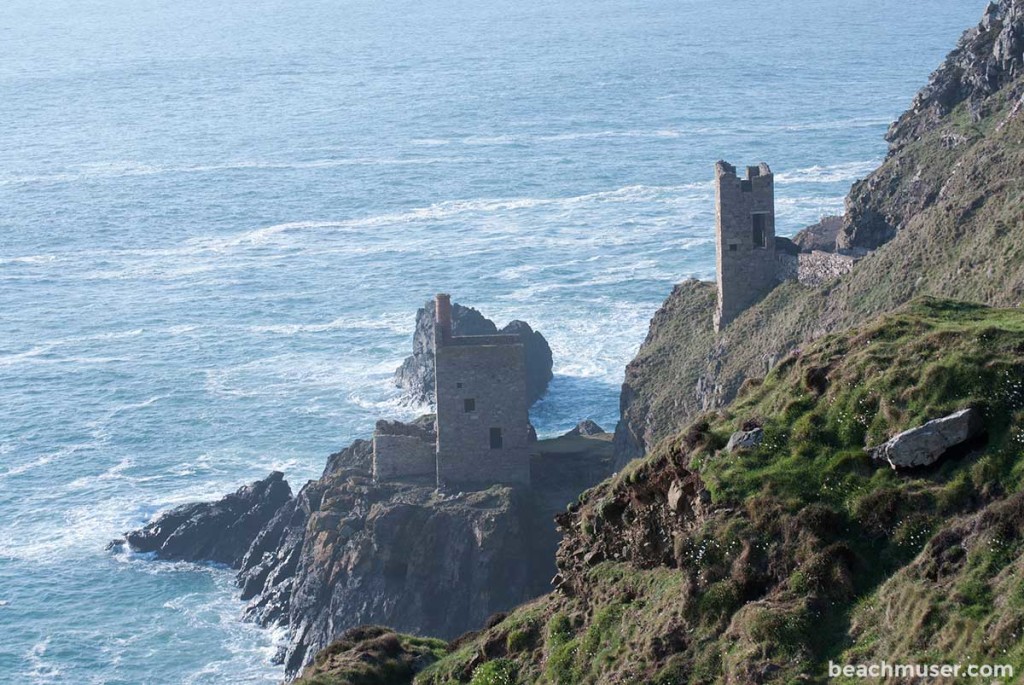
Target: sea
[{"x": 218, "y": 218}]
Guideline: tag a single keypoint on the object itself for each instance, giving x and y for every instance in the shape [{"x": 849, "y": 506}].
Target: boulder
[
  {"x": 745, "y": 440},
  {"x": 924, "y": 445},
  {"x": 675, "y": 495},
  {"x": 219, "y": 532}
]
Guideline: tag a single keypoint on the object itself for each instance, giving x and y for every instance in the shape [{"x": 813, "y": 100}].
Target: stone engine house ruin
[
  {"x": 481, "y": 434},
  {"x": 750, "y": 259},
  {"x": 745, "y": 239}
]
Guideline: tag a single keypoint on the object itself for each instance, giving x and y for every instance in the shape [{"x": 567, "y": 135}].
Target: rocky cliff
[
  {"x": 218, "y": 532},
  {"x": 759, "y": 538},
  {"x": 345, "y": 551},
  {"x": 760, "y": 558},
  {"x": 416, "y": 374},
  {"x": 943, "y": 216}
]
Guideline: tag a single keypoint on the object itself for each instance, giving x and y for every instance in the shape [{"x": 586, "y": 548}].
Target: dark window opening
[
  {"x": 458, "y": 385},
  {"x": 733, "y": 247},
  {"x": 760, "y": 232},
  {"x": 746, "y": 186},
  {"x": 469, "y": 405},
  {"x": 496, "y": 439}
]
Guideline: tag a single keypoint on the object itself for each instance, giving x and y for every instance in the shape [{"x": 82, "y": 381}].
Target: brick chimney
[{"x": 443, "y": 317}]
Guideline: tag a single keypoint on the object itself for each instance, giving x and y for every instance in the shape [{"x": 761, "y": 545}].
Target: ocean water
[{"x": 217, "y": 220}]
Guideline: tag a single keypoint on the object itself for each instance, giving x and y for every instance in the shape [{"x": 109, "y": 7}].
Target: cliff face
[
  {"x": 987, "y": 60},
  {"x": 943, "y": 214},
  {"x": 346, "y": 551},
  {"x": 416, "y": 374},
  {"x": 663, "y": 382},
  {"x": 351, "y": 553},
  {"x": 757, "y": 560}
]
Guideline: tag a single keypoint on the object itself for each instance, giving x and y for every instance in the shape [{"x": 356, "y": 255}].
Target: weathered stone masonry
[
  {"x": 404, "y": 452},
  {"x": 483, "y": 423},
  {"x": 751, "y": 260},
  {"x": 481, "y": 433},
  {"x": 745, "y": 245}
]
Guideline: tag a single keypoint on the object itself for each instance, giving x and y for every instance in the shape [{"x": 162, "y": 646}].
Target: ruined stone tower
[
  {"x": 745, "y": 239},
  {"x": 483, "y": 422}
]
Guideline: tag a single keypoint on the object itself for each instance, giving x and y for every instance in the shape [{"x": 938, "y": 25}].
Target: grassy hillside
[
  {"x": 697, "y": 564},
  {"x": 954, "y": 197},
  {"x": 775, "y": 560}
]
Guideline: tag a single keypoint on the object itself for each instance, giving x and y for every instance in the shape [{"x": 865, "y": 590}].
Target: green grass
[{"x": 803, "y": 556}]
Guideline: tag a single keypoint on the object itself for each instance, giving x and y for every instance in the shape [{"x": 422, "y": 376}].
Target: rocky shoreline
[
  {"x": 345, "y": 551},
  {"x": 761, "y": 533}
]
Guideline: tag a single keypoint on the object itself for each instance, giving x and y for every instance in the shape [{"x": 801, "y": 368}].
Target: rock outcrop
[
  {"x": 941, "y": 214},
  {"x": 416, "y": 374},
  {"x": 988, "y": 58},
  {"x": 372, "y": 655},
  {"x": 668, "y": 380},
  {"x": 820, "y": 236},
  {"x": 586, "y": 428},
  {"x": 346, "y": 551},
  {"x": 218, "y": 532},
  {"x": 925, "y": 445},
  {"x": 401, "y": 555}
]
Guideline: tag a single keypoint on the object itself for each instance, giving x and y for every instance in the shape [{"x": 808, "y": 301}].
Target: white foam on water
[
  {"x": 29, "y": 259},
  {"x": 430, "y": 142},
  {"x": 40, "y": 671},
  {"x": 442, "y": 211},
  {"x": 532, "y": 138},
  {"x": 26, "y": 356},
  {"x": 768, "y": 128},
  {"x": 126, "y": 169},
  {"x": 829, "y": 173},
  {"x": 35, "y": 356},
  {"x": 49, "y": 457},
  {"x": 392, "y": 322}
]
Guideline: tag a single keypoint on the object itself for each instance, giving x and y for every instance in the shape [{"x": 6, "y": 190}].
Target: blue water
[{"x": 218, "y": 218}]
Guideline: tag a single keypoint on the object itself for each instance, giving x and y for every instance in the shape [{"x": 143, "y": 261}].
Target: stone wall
[
  {"x": 787, "y": 267},
  {"x": 746, "y": 267},
  {"x": 820, "y": 267},
  {"x": 481, "y": 384},
  {"x": 403, "y": 452}
]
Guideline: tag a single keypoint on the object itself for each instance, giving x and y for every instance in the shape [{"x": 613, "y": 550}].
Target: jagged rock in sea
[
  {"x": 416, "y": 374},
  {"x": 586, "y": 428},
  {"x": 219, "y": 531},
  {"x": 539, "y": 361}
]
